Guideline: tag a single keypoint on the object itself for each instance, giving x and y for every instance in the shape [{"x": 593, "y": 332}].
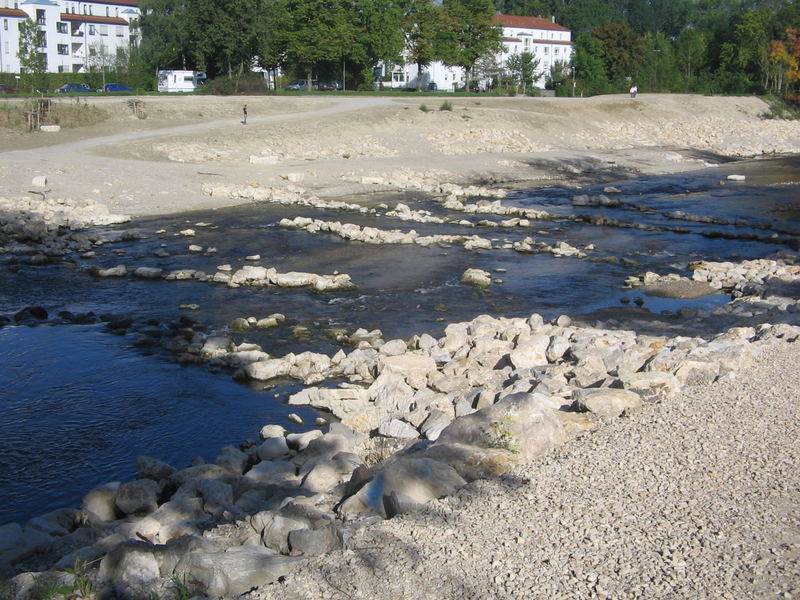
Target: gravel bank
[{"x": 697, "y": 497}]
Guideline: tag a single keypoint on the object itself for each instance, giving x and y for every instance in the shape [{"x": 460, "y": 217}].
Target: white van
[{"x": 179, "y": 81}]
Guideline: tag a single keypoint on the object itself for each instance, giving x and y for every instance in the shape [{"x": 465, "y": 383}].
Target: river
[{"x": 80, "y": 404}]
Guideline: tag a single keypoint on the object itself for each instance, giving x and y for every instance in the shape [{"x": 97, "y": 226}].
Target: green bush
[
  {"x": 424, "y": 108},
  {"x": 446, "y": 106}
]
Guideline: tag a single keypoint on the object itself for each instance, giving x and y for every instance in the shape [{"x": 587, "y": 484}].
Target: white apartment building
[
  {"x": 546, "y": 40},
  {"x": 78, "y": 35}
]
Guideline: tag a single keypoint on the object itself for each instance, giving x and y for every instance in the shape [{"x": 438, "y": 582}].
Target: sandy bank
[{"x": 158, "y": 165}]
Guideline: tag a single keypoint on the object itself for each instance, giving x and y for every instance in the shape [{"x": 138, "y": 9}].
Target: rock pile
[
  {"x": 290, "y": 195},
  {"x": 249, "y": 275},
  {"x": 373, "y": 235},
  {"x": 751, "y": 138},
  {"x": 474, "y": 140},
  {"x": 747, "y": 278}
]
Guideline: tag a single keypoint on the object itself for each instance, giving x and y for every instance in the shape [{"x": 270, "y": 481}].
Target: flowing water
[{"x": 79, "y": 404}]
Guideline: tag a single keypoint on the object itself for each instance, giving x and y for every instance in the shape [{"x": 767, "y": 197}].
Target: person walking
[
  {"x": 244, "y": 115},
  {"x": 634, "y": 90}
]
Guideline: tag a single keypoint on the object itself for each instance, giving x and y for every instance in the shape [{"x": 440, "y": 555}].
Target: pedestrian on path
[{"x": 244, "y": 115}]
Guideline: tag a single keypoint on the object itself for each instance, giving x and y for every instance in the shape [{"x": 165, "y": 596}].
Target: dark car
[
  {"x": 4, "y": 89},
  {"x": 432, "y": 87},
  {"x": 73, "y": 88},
  {"x": 114, "y": 87},
  {"x": 302, "y": 85},
  {"x": 329, "y": 86}
]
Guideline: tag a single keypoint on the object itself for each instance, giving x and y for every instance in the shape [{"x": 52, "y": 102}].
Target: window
[
  {"x": 120, "y": 31},
  {"x": 40, "y": 17},
  {"x": 92, "y": 51},
  {"x": 63, "y": 49},
  {"x": 61, "y": 27},
  {"x": 103, "y": 29},
  {"x": 107, "y": 11},
  {"x": 5, "y": 24},
  {"x": 60, "y": 68},
  {"x": 398, "y": 77},
  {"x": 92, "y": 30}
]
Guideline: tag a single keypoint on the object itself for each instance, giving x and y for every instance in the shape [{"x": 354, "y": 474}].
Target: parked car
[
  {"x": 73, "y": 88},
  {"x": 301, "y": 85},
  {"x": 329, "y": 86},
  {"x": 432, "y": 87},
  {"x": 114, "y": 87},
  {"x": 4, "y": 89}
]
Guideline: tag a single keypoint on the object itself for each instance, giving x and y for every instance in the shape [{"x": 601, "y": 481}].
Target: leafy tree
[
  {"x": 525, "y": 8},
  {"x": 522, "y": 67},
  {"x": 589, "y": 66},
  {"x": 420, "y": 24},
  {"x": 223, "y": 35},
  {"x": 690, "y": 53},
  {"x": 319, "y": 31},
  {"x": 165, "y": 36},
  {"x": 467, "y": 33},
  {"x": 784, "y": 62},
  {"x": 659, "y": 71},
  {"x": 558, "y": 78},
  {"x": 623, "y": 50},
  {"x": 585, "y": 15},
  {"x": 31, "y": 59},
  {"x": 270, "y": 31},
  {"x": 378, "y": 35},
  {"x": 488, "y": 69}
]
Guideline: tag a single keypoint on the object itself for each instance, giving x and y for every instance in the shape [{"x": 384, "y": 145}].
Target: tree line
[{"x": 705, "y": 46}]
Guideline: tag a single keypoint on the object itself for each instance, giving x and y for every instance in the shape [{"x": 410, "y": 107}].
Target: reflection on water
[{"x": 78, "y": 405}]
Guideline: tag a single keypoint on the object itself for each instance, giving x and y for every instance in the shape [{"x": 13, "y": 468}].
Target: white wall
[{"x": 72, "y": 31}]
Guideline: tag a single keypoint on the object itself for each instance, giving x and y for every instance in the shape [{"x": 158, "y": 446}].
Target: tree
[
  {"x": 784, "y": 62},
  {"x": 623, "y": 50},
  {"x": 31, "y": 58},
  {"x": 584, "y": 15},
  {"x": 100, "y": 59},
  {"x": 588, "y": 64},
  {"x": 377, "y": 36},
  {"x": 659, "y": 70},
  {"x": 271, "y": 39},
  {"x": 223, "y": 35},
  {"x": 165, "y": 37},
  {"x": 558, "y": 75},
  {"x": 319, "y": 31},
  {"x": 467, "y": 33},
  {"x": 690, "y": 53},
  {"x": 420, "y": 24},
  {"x": 522, "y": 67}
]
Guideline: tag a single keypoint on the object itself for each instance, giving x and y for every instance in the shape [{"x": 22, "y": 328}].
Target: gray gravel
[{"x": 695, "y": 498}]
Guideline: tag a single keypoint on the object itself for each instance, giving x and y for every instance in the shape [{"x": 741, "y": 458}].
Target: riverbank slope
[{"x": 338, "y": 146}]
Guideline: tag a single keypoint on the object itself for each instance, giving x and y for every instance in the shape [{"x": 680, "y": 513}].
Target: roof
[
  {"x": 535, "y": 41},
  {"x": 527, "y": 23},
  {"x": 93, "y": 19},
  {"x": 114, "y": 2},
  {"x": 13, "y": 12},
  {"x": 40, "y": 2}
]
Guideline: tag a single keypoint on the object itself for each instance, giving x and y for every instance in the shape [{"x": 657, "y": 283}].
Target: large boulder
[
  {"x": 521, "y": 424},
  {"x": 313, "y": 542},
  {"x": 235, "y": 571},
  {"x": 414, "y": 368},
  {"x": 411, "y": 480},
  {"x": 607, "y": 403},
  {"x": 101, "y": 501},
  {"x": 140, "y": 496}
]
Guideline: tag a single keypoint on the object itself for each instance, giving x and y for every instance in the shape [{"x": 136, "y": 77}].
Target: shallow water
[{"x": 78, "y": 404}]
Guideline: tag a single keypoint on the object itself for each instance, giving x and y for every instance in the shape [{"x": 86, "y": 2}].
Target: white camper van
[{"x": 179, "y": 81}]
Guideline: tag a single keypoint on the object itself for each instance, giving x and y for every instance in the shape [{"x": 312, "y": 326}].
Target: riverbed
[{"x": 79, "y": 404}]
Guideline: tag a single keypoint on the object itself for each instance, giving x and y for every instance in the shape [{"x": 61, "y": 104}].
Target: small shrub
[
  {"x": 500, "y": 436},
  {"x": 424, "y": 108},
  {"x": 446, "y": 106},
  {"x": 179, "y": 589}
]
